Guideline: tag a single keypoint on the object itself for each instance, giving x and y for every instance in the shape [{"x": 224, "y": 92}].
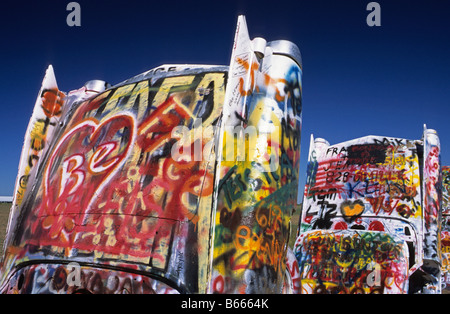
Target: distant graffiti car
[
  {"x": 371, "y": 216},
  {"x": 182, "y": 179},
  {"x": 445, "y": 233}
]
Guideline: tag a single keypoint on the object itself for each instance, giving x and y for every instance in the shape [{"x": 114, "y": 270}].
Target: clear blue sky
[{"x": 358, "y": 80}]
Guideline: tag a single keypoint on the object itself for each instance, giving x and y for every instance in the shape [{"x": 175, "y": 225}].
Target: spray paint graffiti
[
  {"x": 46, "y": 115},
  {"x": 257, "y": 192},
  {"x": 74, "y": 279},
  {"x": 110, "y": 189},
  {"x": 374, "y": 185},
  {"x": 344, "y": 262},
  {"x": 445, "y": 233},
  {"x": 294, "y": 285},
  {"x": 432, "y": 187},
  {"x": 372, "y": 176},
  {"x": 143, "y": 179}
]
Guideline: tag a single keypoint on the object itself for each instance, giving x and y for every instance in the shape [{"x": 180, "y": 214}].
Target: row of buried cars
[
  {"x": 374, "y": 217},
  {"x": 184, "y": 179}
]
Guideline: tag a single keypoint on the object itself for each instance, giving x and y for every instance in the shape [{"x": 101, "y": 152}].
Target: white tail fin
[
  {"x": 241, "y": 81},
  {"x": 46, "y": 112}
]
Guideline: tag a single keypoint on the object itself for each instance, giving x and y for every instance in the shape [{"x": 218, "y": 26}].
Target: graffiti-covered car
[
  {"x": 182, "y": 179},
  {"x": 371, "y": 216},
  {"x": 445, "y": 233}
]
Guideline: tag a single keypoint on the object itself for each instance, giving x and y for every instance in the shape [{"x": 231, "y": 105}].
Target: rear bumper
[{"x": 73, "y": 278}]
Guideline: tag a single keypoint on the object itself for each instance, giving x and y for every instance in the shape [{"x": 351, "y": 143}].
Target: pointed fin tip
[
  {"x": 49, "y": 81},
  {"x": 241, "y": 29}
]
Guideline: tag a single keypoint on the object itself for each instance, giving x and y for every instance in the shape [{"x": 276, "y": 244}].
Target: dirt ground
[{"x": 4, "y": 214}]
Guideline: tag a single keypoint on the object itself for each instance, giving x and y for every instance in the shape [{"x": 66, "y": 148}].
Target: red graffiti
[
  {"x": 94, "y": 195},
  {"x": 99, "y": 154}
]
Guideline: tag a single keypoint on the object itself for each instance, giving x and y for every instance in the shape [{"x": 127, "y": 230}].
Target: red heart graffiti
[{"x": 83, "y": 162}]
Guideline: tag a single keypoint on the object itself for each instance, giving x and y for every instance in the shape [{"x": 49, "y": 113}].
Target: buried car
[
  {"x": 371, "y": 216},
  {"x": 182, "y": 179}
]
